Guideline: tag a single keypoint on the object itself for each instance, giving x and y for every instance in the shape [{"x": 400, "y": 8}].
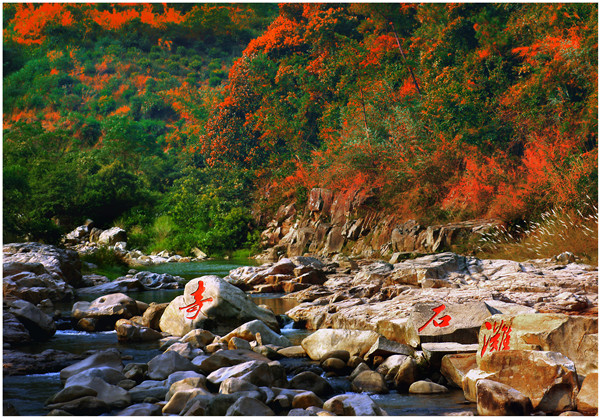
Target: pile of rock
[
  {"x": 37, "y": 272},
  {"x": 381, "y": 296},
  {"x": 86, "y": 239},
  {"x": 134, "y": 281},
  {"x": 287, "y": 275}
]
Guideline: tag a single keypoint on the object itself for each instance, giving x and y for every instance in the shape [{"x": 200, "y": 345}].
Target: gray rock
[
  {"x": 105, "y": 310},
  {"x": 108, "y": 374},
  {"x": 255, "y": 372},
  {"x": 70, "y": 393},
  {"x": 114, "y": 396},
  {"x": 249, "y": 406},
  {"x": 148, "y": 389},
  {"x": 235, "y": 384},
  {"x": 112, "y": 235},
  {"x": 426, "y": 387},
  {"x": 161, "y": 366},
  {"x": 142, "y": 409},
  {"x": 48, "y": 361},
  {"x": 39, "y": 325},
  {"x": 185, "y": 384},
  {"x": 295, "y": 351},
  {"x": 13, "y": 331},
  {"x": 353, "y": 404},
  {"x": 178, "y": 376},
  {"x": 88, "y": 405},
  {"x": 63, "y": 264},
  {"x": 300, "y": 412},
  {"x": 310, "y": 381},
  {"x": 369, "y": 381},
  {"x": 106, "y": 358},
  {"x": 229, "y": 358}
]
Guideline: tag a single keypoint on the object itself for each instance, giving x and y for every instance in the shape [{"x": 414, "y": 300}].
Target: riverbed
[{"x": 28, "y": 393}]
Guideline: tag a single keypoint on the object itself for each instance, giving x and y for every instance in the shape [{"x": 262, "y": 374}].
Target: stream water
[{"x": 28, "y": 393}]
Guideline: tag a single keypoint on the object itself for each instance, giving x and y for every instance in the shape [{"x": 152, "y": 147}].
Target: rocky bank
[
  {"x": 515, "y": 338},
  {"x": 332, "y": 223}
]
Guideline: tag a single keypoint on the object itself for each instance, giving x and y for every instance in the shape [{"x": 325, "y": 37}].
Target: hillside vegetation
[{"x": 174, "y": 120}]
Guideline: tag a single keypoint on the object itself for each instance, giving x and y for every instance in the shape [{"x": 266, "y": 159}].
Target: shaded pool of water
[
  {"x": 28, "y": 393},
  {"x": 219, "y": 267},
  {"x": 424, "y": 405}
]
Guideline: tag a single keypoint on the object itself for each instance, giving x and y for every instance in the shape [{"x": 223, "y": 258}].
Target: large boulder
[
  {"x": 247, "y": 406},
  {"x": 84, "y": 406},
  {"x": 48, "y": 361},
  {"x": 62, "y": 264},
  {"x": 256, "y": 372},
  {"x": 369, "y": 381},
  {"x": 149, "y": 389},
  {"x": 547, "y": 378},
  {"x": 142, "y": 409},
  {"x": 163, "y": 365},
  {"x": 112, "y": 235},
  {"x": 227, "y": 358},
  {"x": 249, "y": 330},
  {"x": 154, "y": 281},
  {"x": 573, "y": 336},
  {"x": 211, "y": 303},
  {"x": 107, "y": 358},
  {"x": 456, "y": 366},
  {"x": 39, "y": 325},
  {"x": 13, "y": 331},
  {"x": 311, "y": 381},
  {"x": 449, "y": 322},
  {"x": 104, "y": 311},
  {"x": 587, "y": 399},
  {"x": 357, "y": 343},
  {"x": 496, "y": 399},
  {"x": 114, "y": 396}
]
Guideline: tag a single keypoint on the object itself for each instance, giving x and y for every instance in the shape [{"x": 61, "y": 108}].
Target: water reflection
[
  {"x": 424, "y": 405},
  {"x": 278, "y": 305}
]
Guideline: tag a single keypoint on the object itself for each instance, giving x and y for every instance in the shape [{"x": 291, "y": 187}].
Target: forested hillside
[{"x": 175, "y": 120}]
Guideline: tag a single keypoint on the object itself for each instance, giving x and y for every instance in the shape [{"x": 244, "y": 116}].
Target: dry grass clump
[{"x": 557, "y": 231}]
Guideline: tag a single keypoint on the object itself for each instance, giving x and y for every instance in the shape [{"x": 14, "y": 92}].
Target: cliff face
[{"x": 330, "y": 224}]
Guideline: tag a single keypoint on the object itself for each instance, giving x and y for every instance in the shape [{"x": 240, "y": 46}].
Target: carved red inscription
[
  {"x": 193, "y": 309},
  {"x": 499, "y": 338},
  {"x": 444, "y": 321}
]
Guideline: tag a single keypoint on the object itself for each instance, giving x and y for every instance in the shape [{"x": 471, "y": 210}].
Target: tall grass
[{"x": 557, "y": 231}]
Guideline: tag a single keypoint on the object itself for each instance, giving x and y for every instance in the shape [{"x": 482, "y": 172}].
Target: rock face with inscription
[
  {"x": 213, "y": 304},
  {"x": 412, "y": 300},
  {"x": 576, "y": 337}
]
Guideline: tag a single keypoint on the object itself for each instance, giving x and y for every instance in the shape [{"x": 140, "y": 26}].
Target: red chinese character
[
  {"x": 500, "y": 338},
  {"x": 443, "y": 322},
  {"x": 194, "y": 307}
]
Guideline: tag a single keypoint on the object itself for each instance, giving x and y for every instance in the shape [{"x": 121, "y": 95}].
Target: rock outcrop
[
  {"x": 35, "y": 272},
  {"x": 330, "y": 222}
]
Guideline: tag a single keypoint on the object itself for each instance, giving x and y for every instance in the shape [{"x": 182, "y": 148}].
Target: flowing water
[{"x": 28, "y": 393}]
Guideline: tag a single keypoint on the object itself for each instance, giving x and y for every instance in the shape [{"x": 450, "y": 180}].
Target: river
[{"x": 28, "y": 393}]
